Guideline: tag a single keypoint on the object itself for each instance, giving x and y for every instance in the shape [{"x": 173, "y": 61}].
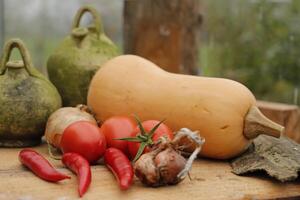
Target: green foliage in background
[{"x": 256, "y": 42}]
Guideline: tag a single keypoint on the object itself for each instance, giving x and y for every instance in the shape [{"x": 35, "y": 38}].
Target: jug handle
[
  {"x": 94, "y": 13},
  {"x": 8, "y": 47}
]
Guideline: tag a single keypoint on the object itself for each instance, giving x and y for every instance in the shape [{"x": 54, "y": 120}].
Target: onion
[
  {"x": 164, "y": 165},
  {"x": 146, "y": 170},
  {"x": 62, "y": 118},
  {"x": 170, "y": 164}
]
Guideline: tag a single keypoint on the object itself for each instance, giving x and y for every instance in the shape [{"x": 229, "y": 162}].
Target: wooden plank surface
[
  {"x": 210, "y": 180},
  {"x": 284, "y": 114}
]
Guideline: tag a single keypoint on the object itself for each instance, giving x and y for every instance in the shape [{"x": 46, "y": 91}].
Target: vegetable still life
[{"x": 123, "y": 121}]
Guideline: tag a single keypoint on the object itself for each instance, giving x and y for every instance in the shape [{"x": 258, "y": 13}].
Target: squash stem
[{"x": 256, "y": 123}]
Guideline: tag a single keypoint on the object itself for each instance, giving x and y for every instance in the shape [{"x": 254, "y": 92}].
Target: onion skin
[
  {"x": 164, "y": 164},
  {"x": 146, "y": 170},
  {"x": 159, "y": 167},
  {"x": 62, "y": 118},
  {"x": 169, "y": 164}
]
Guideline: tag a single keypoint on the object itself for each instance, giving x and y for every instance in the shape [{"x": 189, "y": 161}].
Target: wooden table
[{"x": 210, "y": 180}]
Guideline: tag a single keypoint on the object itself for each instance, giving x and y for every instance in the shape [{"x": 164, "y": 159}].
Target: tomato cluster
[
  {"x": 124, "y": 134},
  {"x": 118, "y": 140},
  {"x": 90, "y": 141}
]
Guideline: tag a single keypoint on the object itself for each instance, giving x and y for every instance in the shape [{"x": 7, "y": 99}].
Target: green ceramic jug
[
  {"x": 77, "y": 58},
  {"x": 27, "y": 99}
]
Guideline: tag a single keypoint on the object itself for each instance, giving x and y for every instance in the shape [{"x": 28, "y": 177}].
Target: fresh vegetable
[
  {"x": 80, "y": 166},
  {"x": 40, "y": 166},
  {"x": 84, "y": 138},
  {"x": 164, "y": 165},
  {"x": 118, "y": 127},
  {"x": 222, "y": 110},
  {"x": 145, "y": 134},
  {"x": 62, "y": 118},
  {"x": 27, "y": 98},
  {"x": 77, "y": 58},
  {"x": 121, "y": 167}
]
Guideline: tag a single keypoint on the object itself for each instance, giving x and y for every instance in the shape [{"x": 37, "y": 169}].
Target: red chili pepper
[
  {"x": 80, "y": 166},
  {"x": 120, "y": 165},
  {"x": 40, "y": 166}
]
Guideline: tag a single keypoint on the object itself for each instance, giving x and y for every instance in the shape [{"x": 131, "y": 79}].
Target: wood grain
[
  {"x": 165, "y": 32},
  {"x": 210, "y": 180}
]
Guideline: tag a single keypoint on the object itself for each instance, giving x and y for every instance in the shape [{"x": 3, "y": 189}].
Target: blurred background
[{"x": 256, "y": 42}]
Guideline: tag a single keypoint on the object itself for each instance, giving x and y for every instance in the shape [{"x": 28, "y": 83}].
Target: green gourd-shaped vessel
[
  {"x": 27, "y": 99},
  {"x": 77, "y": 58}
]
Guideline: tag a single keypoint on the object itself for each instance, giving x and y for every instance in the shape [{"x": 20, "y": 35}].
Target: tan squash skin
[{"x": 216, "y": 107}]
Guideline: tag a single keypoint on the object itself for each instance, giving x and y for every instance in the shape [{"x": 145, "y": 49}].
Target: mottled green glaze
[
  {"x": 27, "y": 99},
  {"x": 78, "y": 57}
]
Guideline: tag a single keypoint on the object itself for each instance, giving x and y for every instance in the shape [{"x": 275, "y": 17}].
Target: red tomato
[
  {"x": 118, "y": 127},
  {"x": 84, "y": 138},
  {"x": 162, "y": 130}
]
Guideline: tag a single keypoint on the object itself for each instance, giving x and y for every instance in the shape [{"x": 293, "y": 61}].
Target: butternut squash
[{"x": 222, "y": 110}]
